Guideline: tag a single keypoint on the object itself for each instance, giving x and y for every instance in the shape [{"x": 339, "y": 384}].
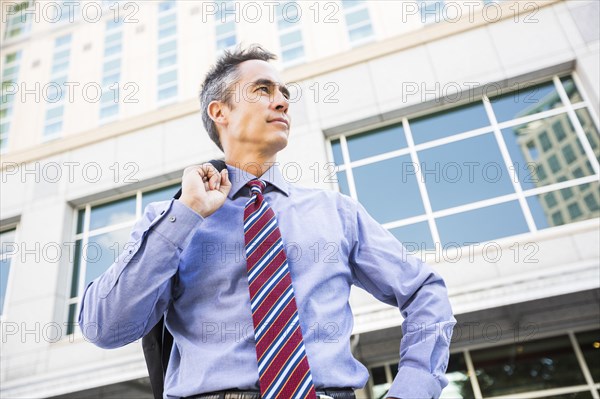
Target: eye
[{"x": 266, "y": 89}]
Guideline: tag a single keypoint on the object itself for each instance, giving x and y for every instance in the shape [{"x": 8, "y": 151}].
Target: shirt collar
[{"x": 239, "y": 178}]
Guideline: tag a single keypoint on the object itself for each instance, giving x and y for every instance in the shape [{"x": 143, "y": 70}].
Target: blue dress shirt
[{"x": 194, "y": 269}]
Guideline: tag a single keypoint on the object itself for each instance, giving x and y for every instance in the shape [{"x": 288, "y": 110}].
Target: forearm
[
  {"x": 424, "y": 349},
  {"x": 125, "y": 302}
]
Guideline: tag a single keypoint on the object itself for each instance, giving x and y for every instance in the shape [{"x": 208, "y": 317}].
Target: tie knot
[{"x": 256, "y": 186}]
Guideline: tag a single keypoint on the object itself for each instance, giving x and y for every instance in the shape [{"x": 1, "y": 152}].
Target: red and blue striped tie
[{"x": 283, "y": 368}]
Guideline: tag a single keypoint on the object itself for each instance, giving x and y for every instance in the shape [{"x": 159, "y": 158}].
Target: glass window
[
  {"x": 415, "y": 237},
  {"x": 559, "y": 130},
  {"x": 112, "y": 213},
  {"x": 545, "y": 141},
  {"x": 4, "y": 271},
  {"x": 532, "y": 172},
  {"x": 7, "y": 249},
  {"x": 343, "y": 183},
  {"x": 527, "y": 100},
  {"x": 380, "y": 383},
  {"x": 571, "y": 89},
  {"x": 464, "y": 171},
  {"x": 161, "y": 194},
  {"x": 18, "y": 20},
  {"x": 459, "y": 383},
  {"x": 569, "y": 154},
  {"x": 589, "y": 343},
  {"x": 376, "y": 142},
  {"x": 388, "y": 189},
  {"x": 545, "y": 217},
  {"x": 591, "y": 202},
  {"x": 554, "y": 163},
  {"x": 557, "y": 219},
  {"x": 102, "y": 250},
  {"x": 528, "y": 366},
  {"x": 501, "y": 220},
  {"x": 593, "y": 137},
  {"x": 550, "y": 199},
  {"x": 448, "y": 123}
]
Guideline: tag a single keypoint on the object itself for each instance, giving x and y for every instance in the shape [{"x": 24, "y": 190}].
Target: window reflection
[
  {"x": 376, "y": 142},
  {"x": 584, "y": 117},
  {"x": 102, "y": 250},
  {"x": 555, "y": 141},
  {"x": 526, "y": 100},
  {"x": 459, "y": 384},
  {"x": 380, "y": 382},
  {"x": 528, "y": 366},
  {"x": 336, "y": 148},
  {"x": 343, "y": 182},
  {"x": 464, "y": 171},
  {"x": 112, "y": 213},
  {"x": 161, "y": 194},
  {"x": 484, "y": 224},
  {"x": 589, "y": 343},
  {"x": 447, "y": 123},
  {"x": 571, "y": 89},
  {"x": 388, "y": 189},
  {"x": 415, "y": 237},
  {"x": 569, "y": 205}
]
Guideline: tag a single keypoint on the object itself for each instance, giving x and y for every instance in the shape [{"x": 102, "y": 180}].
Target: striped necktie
[{"x": 283, "y": 368}]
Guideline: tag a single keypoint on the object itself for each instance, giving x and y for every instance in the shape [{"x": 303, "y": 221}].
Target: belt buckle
[{"x": 323, "y": 396}]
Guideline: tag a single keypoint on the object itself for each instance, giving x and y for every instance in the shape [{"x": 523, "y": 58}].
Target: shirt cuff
[
  {"x": 177, "y": 224},
  {"x": 412, "y": 383}
]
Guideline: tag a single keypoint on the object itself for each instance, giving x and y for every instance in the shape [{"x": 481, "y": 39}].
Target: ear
[{"x": 218, "y": 112}]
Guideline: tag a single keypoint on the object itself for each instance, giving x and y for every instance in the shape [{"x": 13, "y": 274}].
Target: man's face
[{"x": 258, "y": 115}]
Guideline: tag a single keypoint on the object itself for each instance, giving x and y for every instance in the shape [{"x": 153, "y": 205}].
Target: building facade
[{"x": 468, "y": 129}]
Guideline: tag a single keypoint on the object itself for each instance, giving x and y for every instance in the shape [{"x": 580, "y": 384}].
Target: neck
[{"x": 253, "y": 163}]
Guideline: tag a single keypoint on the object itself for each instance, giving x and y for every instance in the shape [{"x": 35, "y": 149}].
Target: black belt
[{"x": 329, "y": 393}]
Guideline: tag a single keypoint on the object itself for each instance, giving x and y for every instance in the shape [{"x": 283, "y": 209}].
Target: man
[{"x": 195, "y": 261}]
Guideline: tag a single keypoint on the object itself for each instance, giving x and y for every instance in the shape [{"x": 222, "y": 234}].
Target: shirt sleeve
[
  {"x": 130, "y": 297},
  {"x": 381, "y": 265}
]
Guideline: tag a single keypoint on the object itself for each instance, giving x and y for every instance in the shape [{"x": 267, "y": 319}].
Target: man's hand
[{"x": 204, "y": 189}]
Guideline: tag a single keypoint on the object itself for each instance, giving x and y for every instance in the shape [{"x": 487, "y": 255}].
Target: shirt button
[{"x": 172, "y": 219}]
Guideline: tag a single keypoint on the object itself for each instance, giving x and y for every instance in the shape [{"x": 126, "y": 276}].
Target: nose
[{"x": 280, "y": 103}]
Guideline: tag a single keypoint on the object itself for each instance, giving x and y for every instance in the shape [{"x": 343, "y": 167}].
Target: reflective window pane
[
  {"x": 501, "y": 220},
  {"x": 336, "y": 148},
  {"x": 161, "y": 194},
  {"x": 112, "y": 213},
  {"x": 590, "y": 130},
  {"x": 555, "y": 152},
  {"x": 571, "y": 89},
  {"x": 7, "y": 242},
  {"x": 529, "y": 366},
  {"x": 102, "y": 250},
  {"x": 527, "y": 100},
  {"x": 4, "y": 270},
  {"x": 376, "y": 142},
  {"x": 571, "y": 204},
  {"x": 459, "y": 385},
  {"x": 388, "y": 189},
  {"x": 464, "y": 171},
  {"x": 76, "y": 269},
  {"x": 380, "y": 382},
  {"x": 589, "y": 342},
  {"x": 343, "y": 183},
  {"x": 447, "y": 123},
  {"x": 573, "y": 395},
  {"x": 415, "y": 237}
]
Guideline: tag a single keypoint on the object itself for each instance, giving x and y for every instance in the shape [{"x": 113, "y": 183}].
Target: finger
[
  {"x": 210, "y": 172},
  {"x": 225, "y": 185},
  {"x": 214, "y": 180}
]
